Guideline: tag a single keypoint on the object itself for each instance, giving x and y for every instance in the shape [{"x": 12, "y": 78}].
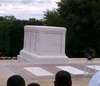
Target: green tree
[
  {"x": 82, "y": 20},
  {"x": 11, "y": 36},
  {"x": 52, "y": 18},
  {"x": 33, "y": 21},
  {"x": 10, "y": 18}
]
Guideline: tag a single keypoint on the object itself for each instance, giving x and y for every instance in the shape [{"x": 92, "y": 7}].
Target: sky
[{"x": 25, "y": 9}]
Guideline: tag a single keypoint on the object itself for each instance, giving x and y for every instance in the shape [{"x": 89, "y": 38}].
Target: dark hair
[
  {"x": 33, "y": 84},
  {"x": 16, "y": 80},
  {"x": 63, "y": 78}
]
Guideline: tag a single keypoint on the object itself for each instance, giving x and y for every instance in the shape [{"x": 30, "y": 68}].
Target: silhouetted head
[
  {"x": 33, "y": 84},
  {"x": 15, "y": 80},
  {"x": 63, "y": 78}
]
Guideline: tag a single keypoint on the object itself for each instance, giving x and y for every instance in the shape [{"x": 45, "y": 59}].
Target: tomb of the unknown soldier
[{"x": 44, "y": 45}]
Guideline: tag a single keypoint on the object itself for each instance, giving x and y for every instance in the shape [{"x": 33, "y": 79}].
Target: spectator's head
[
  {"x": 63, "y": 78},
  {"x": 15, "y": 80},
  {"x": 33, "y": 84}
]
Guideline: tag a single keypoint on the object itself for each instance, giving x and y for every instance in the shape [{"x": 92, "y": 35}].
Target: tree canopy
[
  {"x": 12, "y": 34},
  {"x": 82, "y": 20},
  {"x": 52, "y": 18}
]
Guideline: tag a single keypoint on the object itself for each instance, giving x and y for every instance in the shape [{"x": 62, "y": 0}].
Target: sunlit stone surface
[{"x": 44, "y": 45}]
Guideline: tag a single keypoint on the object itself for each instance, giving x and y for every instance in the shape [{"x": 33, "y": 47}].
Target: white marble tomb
[{"x": 44, "y": 45}]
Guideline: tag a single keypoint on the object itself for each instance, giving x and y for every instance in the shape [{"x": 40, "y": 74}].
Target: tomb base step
[{"x": 36, "y": 59}]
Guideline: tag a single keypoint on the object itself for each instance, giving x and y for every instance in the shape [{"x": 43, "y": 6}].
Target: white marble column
[{"x": 44, "y": 45}]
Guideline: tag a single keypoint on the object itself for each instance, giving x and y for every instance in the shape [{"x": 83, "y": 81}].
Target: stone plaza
[{"x": 48, "y": 71}]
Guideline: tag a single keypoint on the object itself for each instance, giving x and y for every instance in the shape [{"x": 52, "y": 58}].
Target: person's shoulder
[
  {"x": 94, "y": 81},
  {"x": 98, "y": 73}
]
